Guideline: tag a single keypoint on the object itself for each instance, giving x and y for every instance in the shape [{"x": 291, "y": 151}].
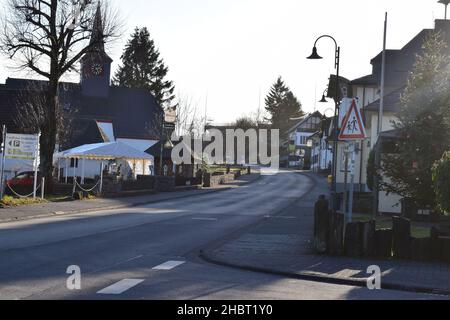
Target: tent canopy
[{"x": 105, "y": 152}]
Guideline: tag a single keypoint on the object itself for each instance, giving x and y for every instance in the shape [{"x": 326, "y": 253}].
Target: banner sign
[
  {"x": 21, "y": 146},
  {"x": 170, "y": 115},
  {"x": 169, "y": 126}
]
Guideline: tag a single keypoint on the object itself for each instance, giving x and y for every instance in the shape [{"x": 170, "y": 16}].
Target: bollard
[
  {"x": 321, "y": 224},
  {"x": 401, "y": 238},
  {"x": 42, "y": 188}
]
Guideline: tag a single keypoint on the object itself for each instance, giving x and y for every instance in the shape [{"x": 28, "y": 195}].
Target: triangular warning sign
[{"x": 353, "y": 126}]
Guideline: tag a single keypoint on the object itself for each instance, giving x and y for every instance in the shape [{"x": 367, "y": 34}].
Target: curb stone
[
  {"x": 310, "y": 276},
  {"x": 208, "y": 256}
]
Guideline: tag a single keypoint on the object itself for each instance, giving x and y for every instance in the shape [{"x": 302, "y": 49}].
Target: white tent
[
  {"x": 105, "y": 151},
  {"x": 92, "y": 155}
]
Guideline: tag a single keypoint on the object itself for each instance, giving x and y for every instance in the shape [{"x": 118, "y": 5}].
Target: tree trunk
[{"x": 48, "y": 135}]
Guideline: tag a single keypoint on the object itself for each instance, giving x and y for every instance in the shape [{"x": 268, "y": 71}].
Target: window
[
  {"x": 74, "y": 163},
  {"x": 302, "y": 140}
]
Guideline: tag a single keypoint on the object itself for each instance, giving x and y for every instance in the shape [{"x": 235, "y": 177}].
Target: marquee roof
[{"x": 106, "y": 151}]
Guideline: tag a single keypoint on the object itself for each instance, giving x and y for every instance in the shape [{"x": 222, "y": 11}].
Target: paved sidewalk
[
  {"x": 282, "y": 245},
  {"x": 71, "y": 207}
]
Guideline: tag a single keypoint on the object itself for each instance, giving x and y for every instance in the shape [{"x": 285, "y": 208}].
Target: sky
[{"x": 224, "y": 55}]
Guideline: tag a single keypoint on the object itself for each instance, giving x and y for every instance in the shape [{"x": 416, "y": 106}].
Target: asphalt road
[{"x": 151, "y": 252}]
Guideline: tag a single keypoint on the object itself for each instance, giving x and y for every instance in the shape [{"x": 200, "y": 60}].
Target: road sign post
[
  {"x": 353, "y": 130},
  {"x": 36, "y": 167},
  {"x": 2, "y": 172},
  {"x": 23, "y": 147},
  {"x": 168, "y": 123}
]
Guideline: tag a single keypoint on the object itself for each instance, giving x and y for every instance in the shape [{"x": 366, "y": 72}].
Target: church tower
[{"x": 96, "y": 64}]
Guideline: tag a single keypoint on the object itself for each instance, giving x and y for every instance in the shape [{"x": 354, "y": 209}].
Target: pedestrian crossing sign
[{"x": 353, "y": 126}]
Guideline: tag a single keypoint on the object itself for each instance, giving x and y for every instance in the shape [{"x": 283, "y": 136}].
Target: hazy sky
[{"x": 233, "y": 50}]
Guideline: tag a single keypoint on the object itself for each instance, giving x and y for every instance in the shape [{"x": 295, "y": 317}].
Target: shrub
[{"x": 441, "y": 179}]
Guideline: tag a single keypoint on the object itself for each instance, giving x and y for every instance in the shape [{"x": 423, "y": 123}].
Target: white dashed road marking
[
  {"x": 206, "y": 219},
  {"x": 169, "y": 265},
  {"x": 121, "y": 286},
  {"x": 280, "y": 217}
]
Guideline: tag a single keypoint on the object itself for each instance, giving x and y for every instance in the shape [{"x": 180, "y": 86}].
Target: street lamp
[
  {"x": 316, "y": 56},
  {"x": 445, "y": 3},
  {"x": 324, "y": 98}
]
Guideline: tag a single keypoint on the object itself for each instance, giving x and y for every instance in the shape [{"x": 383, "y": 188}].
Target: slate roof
[
  {"x": 391, "y": 102},
  {"x": 389, "y": 54},
  {"x": 365, "y": 81},
  {"x": 155, "y": 151},
  {"x": 391, "y": 134},
  {"x": 133, "y": 112},
  {"x": 399, "y": 63},
  {"x": 305, "y": 119},
  {"x": 8, "y": 100}
]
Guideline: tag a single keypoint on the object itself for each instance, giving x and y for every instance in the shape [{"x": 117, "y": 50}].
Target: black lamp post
[
  {"x": 445, "y": 3},
  {"x": 324, "y": 98},
  {"x": 315, "y": 56}
]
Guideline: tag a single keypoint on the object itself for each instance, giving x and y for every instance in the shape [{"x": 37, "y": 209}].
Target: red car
[{"x": 23, "y": 179}]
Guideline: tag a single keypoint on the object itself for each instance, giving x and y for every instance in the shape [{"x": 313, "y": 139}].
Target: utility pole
[
  {"x": 378, "y": 148},
  {"x": 161, "y": 141}
]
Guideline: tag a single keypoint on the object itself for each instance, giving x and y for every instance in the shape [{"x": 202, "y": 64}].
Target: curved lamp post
[
  {"x": 324, "y": 98},
  {"x": 316, "y": 56}
]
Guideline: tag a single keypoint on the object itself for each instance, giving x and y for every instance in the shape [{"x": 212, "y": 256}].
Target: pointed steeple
[
  {"x": 96, "y": 64},
  {"x": 97, "y": 37}
]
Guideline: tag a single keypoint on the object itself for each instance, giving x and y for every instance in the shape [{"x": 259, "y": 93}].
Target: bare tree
[
  {"x": 250, "y": 120},
  {"x": 30, "y": 114},
  {"x": 189, "y": 118},
  {"x": 246, "y": 123},
  {"x": 49, "y": 37},
  {"x": 259, "y": 116}
]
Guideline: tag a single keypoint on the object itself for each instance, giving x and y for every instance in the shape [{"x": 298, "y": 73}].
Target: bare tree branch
[{"x": 49, "y": 37}]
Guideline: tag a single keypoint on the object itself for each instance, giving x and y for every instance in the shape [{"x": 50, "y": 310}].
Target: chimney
[{"x": 442, "y": 25}]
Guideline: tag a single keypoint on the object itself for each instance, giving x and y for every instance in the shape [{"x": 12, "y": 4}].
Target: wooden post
[{"x": 36, "y": 169}]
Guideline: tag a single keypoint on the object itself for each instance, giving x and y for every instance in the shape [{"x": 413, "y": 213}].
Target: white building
[
  {"x": 297, "y": 152},
  {"x": 322, "y": 149},
  {"x": 399, "y": 64}
]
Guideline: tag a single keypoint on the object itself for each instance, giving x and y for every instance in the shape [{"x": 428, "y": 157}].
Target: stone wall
[
  {"x": 157, "y": 183},
  {"x": 211, "y": 181},
  {"x": 111, "y": 185},
  {"x": 142, "y": 183},
  {"x": 164, "y": 184}
]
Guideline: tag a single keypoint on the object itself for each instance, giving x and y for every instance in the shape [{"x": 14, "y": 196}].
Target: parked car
[{"x": 23, "y": 179}]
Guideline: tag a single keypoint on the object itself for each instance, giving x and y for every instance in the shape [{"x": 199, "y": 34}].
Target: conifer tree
[
  {"x": 282, "y": 105},
  {"x": 143, "y": 68},
  {"x": 423, "y": 125}
]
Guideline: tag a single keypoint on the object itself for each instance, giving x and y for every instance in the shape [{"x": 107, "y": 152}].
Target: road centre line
[
  {"x": 121, "y": 286},
  {"x": 169, "y": 265}
]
